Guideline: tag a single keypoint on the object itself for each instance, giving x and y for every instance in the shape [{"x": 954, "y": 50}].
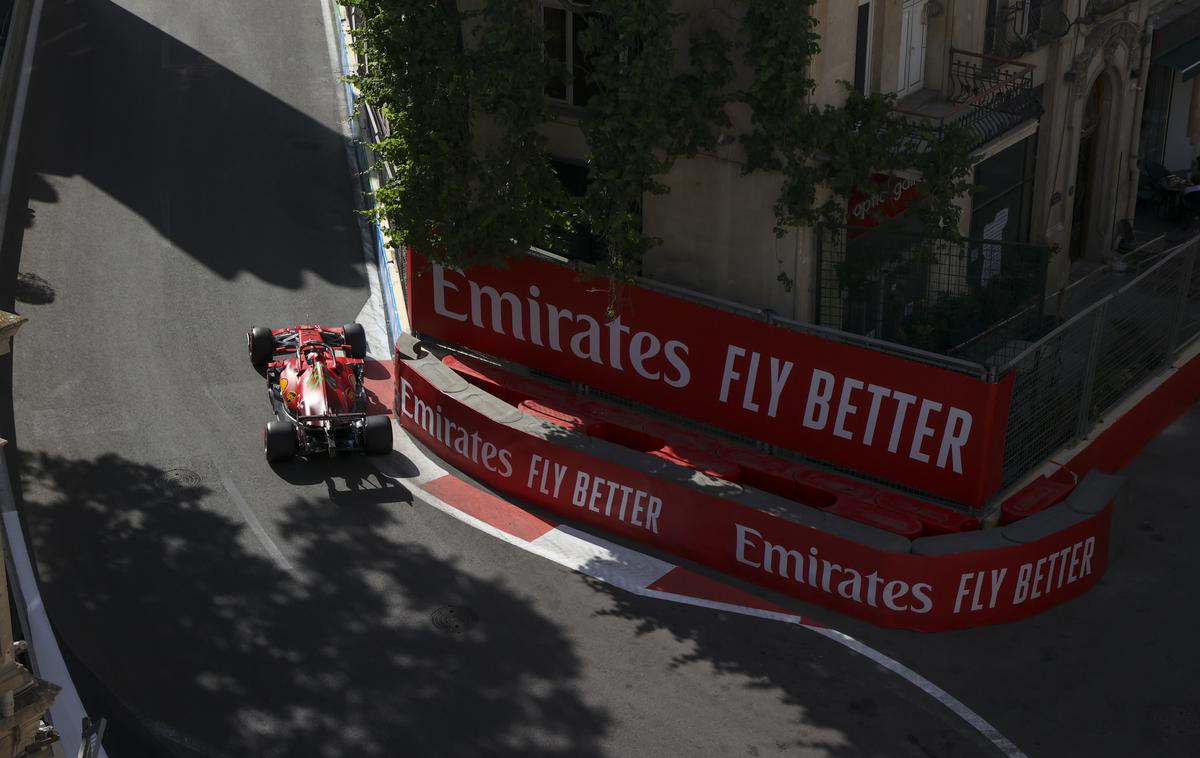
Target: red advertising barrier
[
  {"x": 906, "y": 422},
  {"x": 887, "y": 588}
]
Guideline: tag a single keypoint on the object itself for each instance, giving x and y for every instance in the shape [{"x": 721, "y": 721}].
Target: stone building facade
[{"x": 1052, "y": 89}]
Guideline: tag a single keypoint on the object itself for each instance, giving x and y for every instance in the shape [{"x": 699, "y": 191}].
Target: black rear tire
[
  {"x": 377, "y": 435},
  {"x": 356, "y": 340},
  {"x": 261, "y": 344},
  {"x": 279, "y": 441}
]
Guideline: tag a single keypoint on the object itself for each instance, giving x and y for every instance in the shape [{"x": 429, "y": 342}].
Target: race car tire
[
  {"x": 261, "y": 345},
  {"x": 356, "y": 340},
  {"x": 377, "y": 435},
  {"x": 279, "y": 441}
]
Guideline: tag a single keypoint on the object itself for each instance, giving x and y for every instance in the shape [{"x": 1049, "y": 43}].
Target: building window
[
  {"x": 913, "y": 41},
  {"x": 563, "y": 28},
  {"x": 1016, "y": 27},
  {"x": 1156, "y": 113},
  {"x": 1002, "y": 207},
  {"x": 862, "y": 49}
]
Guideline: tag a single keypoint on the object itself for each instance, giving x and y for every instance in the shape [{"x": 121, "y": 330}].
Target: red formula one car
[{"x": 315, "y": 384}]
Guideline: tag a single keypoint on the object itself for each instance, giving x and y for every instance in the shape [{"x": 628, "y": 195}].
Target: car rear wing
[{"x": 355, "y": 416}]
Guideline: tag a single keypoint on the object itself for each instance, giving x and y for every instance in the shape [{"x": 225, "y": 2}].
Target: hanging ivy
[
  {"x": 780, "y": 40},
  {"x": 452, "y": 198},
  {"x": 643, "y": 116},
  {"x": 840, "y": 148},
  {"x": 473, "y": 180},
  {"x": 868, "y": 136}
]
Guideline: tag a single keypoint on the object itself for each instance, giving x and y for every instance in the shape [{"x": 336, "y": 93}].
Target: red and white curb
[{"x": 634, "y": 571}]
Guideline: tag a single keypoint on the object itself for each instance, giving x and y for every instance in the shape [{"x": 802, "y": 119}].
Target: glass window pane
[
  {"x": 861, "y": 47},
  {"x": 582, "y": 83},
  {"x": 554, "y": 20}
]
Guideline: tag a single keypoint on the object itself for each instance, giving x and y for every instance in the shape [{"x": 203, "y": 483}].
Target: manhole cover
[
  {"x": 454, "y": 620},
  {"x": 178, "y": 478}
]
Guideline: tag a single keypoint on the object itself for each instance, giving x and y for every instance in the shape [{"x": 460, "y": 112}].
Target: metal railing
[
  {"x": 989, "y": 95},
  {"x": 1022, "y": 26},
  {"x": 1066, "y": 381}
]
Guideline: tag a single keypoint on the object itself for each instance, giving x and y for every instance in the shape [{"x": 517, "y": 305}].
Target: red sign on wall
[
  {"x": 906, "y": 422},
  {"x": 888, "y": 196},
  {"x": 887, "y": 588}
]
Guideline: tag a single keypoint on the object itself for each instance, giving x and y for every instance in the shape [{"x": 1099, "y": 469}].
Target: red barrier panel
[
  {"x": 1033, "y": 498},
  {"x": 886, "y": 588},
  {"x": 903, "y": 421},
  {"x": 724, "y": 460}
]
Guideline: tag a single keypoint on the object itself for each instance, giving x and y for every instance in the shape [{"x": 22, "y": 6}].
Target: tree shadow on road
[
  {"x": 842, "y": 703},
  {"x": 221, "y": 651}
]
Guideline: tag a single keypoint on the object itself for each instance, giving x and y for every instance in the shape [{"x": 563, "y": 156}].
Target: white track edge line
[
  {"x": 255, "y": 525},
  {"x": 67, "y": 711}
]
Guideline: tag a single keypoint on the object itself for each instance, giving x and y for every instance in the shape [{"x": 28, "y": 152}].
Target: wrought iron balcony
[
  {"x": 984, "y": 94},
  {"x": 1018, "y": 27},
  {"x": 1094, "y": 9}
]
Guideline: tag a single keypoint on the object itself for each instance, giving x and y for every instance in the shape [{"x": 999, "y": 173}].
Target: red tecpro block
[
  {"x": 934, "y": 518},
  {"x": 872, "y": 515},
  {"x": 612, "y": 415},
  {"x": 491, "y": 382},
  {"x": 839, "y": 485},
  {"x": 1036, "y": 496},
  {"x": 697, "y": 460},
  {"x": 694, "y": 450},
  {"x": 562, "y": 418},
  {"x": 788, "y": 484},
  {"x": 699, "y": 442}
]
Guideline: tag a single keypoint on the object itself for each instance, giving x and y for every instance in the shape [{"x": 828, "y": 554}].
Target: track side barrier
[
  {"x": 928, "y": 427},
  {"x": 932, "y": 583}
]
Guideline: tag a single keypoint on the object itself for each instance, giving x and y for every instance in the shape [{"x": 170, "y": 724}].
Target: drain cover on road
[
  {"x": 178, "y": 479},
  {"x": 453, "y": 619}
]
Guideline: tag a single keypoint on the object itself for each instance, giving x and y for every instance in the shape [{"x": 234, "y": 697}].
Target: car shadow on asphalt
[
  {"x": 367, "y": 645},
  {"x": 351, "y": 480}
]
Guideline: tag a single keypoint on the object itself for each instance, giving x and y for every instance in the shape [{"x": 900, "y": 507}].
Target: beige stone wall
[{"x": 716, "y": 224}]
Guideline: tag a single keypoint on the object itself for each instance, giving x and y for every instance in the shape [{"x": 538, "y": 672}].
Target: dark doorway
[{"x": 1085, "y": 172}]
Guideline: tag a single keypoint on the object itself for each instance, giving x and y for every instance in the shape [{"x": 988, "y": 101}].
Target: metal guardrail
[{"x": 1066, "y": 381}]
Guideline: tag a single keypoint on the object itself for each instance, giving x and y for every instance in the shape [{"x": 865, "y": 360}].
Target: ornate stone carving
[{"x": 1107, "y": 37}]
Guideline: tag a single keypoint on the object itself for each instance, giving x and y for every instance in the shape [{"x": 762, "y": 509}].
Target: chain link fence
[
  {"x": 1066, "y": 381},
  {"x": 941, "y": 296}
]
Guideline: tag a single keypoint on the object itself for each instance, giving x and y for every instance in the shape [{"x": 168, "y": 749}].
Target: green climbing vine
[
  {"x": 459, "y": 195},
  {"x": 841, "y": 148},
  {"x": 464, "y": 96},
  {"x": 643, "y": 116}
]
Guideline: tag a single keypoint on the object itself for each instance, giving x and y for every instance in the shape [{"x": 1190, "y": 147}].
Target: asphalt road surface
[{"x": 185, "y": 176}]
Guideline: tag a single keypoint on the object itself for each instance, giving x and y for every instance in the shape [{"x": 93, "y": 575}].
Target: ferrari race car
[{"x": 315, "y": 384}]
